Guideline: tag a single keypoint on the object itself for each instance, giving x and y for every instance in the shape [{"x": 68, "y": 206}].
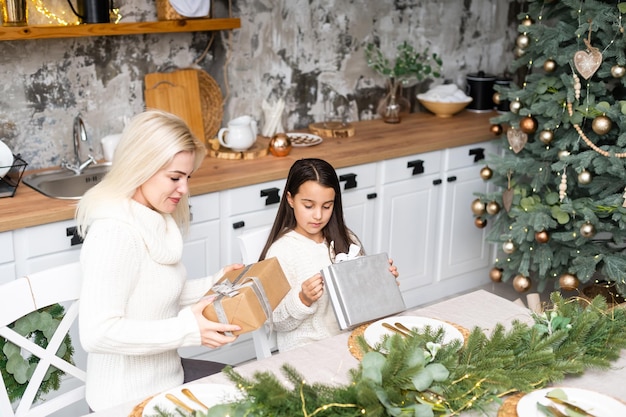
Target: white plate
[
  {"x": 599, "y": 405},
  {"x": 6, "y": 159},
  {"x": 375, "y": 331},
  {"x": 209, "y": 394},
  {"x": 304, "y": 139}
]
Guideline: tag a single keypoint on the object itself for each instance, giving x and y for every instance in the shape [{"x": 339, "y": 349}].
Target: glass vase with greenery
[{"x": 409, "y": 66}]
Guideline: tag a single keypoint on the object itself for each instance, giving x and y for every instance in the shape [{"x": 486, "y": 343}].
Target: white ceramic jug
[{"x": 239, "y": 135}]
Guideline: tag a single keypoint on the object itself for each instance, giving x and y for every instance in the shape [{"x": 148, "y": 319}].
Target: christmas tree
[{"x": 559, "y": 216}]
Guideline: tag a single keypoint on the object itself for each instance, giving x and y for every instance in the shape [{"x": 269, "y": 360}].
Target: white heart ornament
[
  {"x": 587, "y": 63},
  {"x": 517, "y": 139}
]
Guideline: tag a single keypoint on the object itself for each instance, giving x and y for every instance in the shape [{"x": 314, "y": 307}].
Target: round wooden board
[
  {"x": 259, "y": 149},
  {"x": 332, "y": 129}
]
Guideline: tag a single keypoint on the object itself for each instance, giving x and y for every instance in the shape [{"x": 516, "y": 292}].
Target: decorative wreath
[{"x": 17, "y": 369}]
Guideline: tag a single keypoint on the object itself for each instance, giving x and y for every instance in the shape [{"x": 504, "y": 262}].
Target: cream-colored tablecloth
[{"x": 329, "y": 360}]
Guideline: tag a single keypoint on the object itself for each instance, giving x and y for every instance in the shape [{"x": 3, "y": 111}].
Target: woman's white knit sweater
[
  {"x": 296, "y": 324},
  {"x": 134, "y": 305}
]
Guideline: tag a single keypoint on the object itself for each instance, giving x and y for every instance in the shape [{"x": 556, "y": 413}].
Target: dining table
[{"x": 329, "y": 361}]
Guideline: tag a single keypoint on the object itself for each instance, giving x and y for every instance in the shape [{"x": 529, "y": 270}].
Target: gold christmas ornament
[
  {"x": 280, "y": 145},
  {"x": 521, "y": 283},
  {"x": 563, "y": 154},
  {"x": 496, "y": 98},
  {"x": 495, "y": 274},
  {"x": 601, "y": 125},
  {"x": 546, "y": 136},
  {"x": 478, "y": 207},
  {"x": 587, "y": 230},
  {"x": 515, "y": 106},
  {"x": 493, "y": 208},
  {"x": 508, "y": 247},
  {"x": 517, "y": 139},
  {"x": 518, "y": 52},
  {"x": 549, "y": 65},
  {"x": 542, "y": 236},
  {"x": 522, "y": 41},
  {"x": 584, "y": 177},
  {"x": 480, "y": 222},
  {"x": 528, "y": 125},
  {"x": 486, "y": 173},
  {"x": 569, "y": 282},
  {"x": 618, "y": 71},
  {"x": 496, "y": 129},
  {"x": 527, "y": 21}
]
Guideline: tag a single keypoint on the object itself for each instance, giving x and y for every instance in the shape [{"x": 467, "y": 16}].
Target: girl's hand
[
  {"x": 393, "y": 269},
  {"x": 212, "y": 333},
  {"x": 312, "y": 290}
]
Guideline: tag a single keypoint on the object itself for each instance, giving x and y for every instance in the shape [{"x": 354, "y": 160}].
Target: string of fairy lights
[{"x": 60, "y": 14}]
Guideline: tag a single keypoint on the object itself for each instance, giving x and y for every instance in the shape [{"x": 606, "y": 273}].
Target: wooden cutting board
[{"x": 177, "y": 92}]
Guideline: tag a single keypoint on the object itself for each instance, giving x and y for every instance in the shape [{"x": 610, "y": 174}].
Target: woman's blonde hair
[{"x": 148, "y": 144}]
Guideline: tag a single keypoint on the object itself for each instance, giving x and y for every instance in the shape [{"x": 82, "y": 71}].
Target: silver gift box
[{"x": 362, "y": 289}]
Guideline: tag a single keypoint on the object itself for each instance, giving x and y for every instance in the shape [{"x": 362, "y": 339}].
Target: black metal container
[{"x": 480, "y": 89}]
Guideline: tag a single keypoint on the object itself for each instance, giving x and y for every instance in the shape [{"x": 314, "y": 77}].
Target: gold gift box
[{"x": 246, "y": 297}]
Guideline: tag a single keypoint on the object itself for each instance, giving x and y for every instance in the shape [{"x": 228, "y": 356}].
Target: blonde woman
[{"x": 137, "y": 307}]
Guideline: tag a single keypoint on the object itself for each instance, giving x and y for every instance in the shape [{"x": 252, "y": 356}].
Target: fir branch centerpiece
[{"x": 419, "y": 376}]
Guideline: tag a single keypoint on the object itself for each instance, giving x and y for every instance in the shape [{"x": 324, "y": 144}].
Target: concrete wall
[{"x": 299, "y": 49}]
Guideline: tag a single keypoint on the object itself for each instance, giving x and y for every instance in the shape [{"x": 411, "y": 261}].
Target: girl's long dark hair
[{"x": 320, "y": 171}]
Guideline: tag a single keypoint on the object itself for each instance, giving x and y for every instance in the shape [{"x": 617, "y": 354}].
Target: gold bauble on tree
[
  {"x": 601, "y": 125},
  {"x": 528, "y": 124},
  {"x": 480, "y": 222},
  {"x": 584, "y": 177},
  {"x": 546, "y": 136},
  {"x": 522, "y": 41},
  {"x": 527, "y": 21},
  {"x": 496, "y": 98},
  {"x": 478, "y": 207},
  {"x": 542, "y": 236},
  {"x": 549, "y": 65},
  {"x": 486, "y": 173},
  {"x": 493, "y": 208},
  {"x": 568, "y": 282},
  {"x": 515, "y": 106},
  {"x": 521, "y": 283},
  {"x": 519, "y": 52},
  {"x": 508, "y": 247},
  {"x": 587, "y": 230},
  {"x": 496, "y": 129},
  {"x": 618, "y": 71},
  {"x": 495, "y": 274}
]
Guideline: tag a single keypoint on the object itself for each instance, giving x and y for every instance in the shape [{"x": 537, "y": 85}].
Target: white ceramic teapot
[{"x": 239, "y": 135}]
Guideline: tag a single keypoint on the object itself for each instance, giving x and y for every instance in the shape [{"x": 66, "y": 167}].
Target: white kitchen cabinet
[
  {"x": 201, "y": 254},
  {"x": 247, "y": 208},
  {"x": 426, "y": 224},
  {"x": 7, "y": 258},
  {"x": 42, "y": 247}
]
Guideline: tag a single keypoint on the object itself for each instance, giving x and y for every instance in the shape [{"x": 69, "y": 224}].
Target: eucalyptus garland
[
  {"x": 418, "y": 376},
  {"x": 17, "y": 369}
]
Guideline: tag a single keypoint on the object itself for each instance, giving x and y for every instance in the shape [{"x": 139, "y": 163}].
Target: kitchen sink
[{"x": 65, "y": 184}]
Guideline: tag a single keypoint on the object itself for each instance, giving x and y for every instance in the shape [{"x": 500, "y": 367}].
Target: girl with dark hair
[{"x": 308, "y": 231}]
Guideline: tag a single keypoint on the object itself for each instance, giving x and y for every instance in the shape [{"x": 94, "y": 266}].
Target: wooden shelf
[{"x": 10, "y": 33}]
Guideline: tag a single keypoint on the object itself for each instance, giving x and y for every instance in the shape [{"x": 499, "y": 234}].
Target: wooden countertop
[{"x": 374, "y": 141}]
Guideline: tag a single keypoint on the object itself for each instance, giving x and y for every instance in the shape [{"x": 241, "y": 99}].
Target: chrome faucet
[{"x": 79, "y": 136}]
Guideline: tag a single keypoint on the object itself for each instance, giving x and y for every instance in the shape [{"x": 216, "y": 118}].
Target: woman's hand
[
  {"x": 212, "y": 333},
  {"x": 312, "y": 290}
]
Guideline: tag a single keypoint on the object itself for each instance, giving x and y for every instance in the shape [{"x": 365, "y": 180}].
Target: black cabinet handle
[
  {"x": 272, "y": 195},
  {"x": 417, "y": 165},
  {"x": 451, "y": 179},
  {"x": 350, "y": 180},
  {"x": 437, "y": 181},
  {"x": 478, "y": 153},
  {"x": 76, "y": 239},
  {"x": 239, "y": 225},
  {"x": 372, "y": 196}
]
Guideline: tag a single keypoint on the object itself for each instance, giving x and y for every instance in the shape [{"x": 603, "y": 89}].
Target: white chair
[
  {"x": 21, "y": 297},
  {"x": 251, "y": 244}
]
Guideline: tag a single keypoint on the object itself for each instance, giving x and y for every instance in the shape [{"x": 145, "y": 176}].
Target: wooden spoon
[{"x": 179, "y": 403}]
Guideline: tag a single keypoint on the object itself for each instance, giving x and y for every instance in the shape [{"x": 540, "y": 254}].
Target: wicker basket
[{"x": 165, "y": 11}]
